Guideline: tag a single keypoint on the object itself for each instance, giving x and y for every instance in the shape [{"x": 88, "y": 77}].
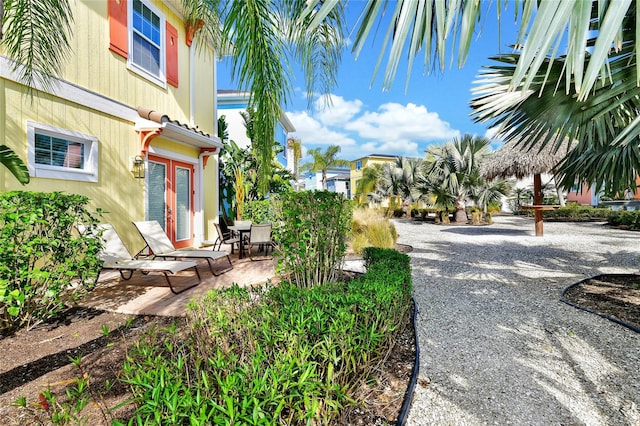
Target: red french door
[{"x": 170, "y": 199}]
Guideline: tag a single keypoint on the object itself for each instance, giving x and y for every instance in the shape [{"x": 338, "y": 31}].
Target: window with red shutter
[
  {"x": 118, "y": 34},
  {"x": 172, "y": 55}
]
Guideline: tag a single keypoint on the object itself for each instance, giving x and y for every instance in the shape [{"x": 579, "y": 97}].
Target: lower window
[{"x": 61, "y": 154}]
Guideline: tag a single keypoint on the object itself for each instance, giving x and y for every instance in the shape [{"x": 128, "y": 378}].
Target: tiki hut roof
[{"x": 514, "y": 160}]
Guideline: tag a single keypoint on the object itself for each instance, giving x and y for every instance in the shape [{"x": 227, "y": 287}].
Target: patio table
[{"x": 242, "y": 229}]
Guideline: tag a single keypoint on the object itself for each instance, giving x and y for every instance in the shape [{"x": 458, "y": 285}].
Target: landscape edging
[{"x": 591, "y": 311}]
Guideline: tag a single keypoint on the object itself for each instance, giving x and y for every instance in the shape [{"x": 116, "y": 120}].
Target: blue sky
[{"x": 365, "y": 120}]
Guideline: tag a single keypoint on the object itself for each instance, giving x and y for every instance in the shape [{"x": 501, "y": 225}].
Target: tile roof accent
[{"x": 160, "y": 118}]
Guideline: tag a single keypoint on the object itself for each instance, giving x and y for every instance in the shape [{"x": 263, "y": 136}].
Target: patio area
[{"x": 150, "y": 294}]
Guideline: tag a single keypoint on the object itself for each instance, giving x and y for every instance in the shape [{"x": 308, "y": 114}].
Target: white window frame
[
  {"x": 160, "y": 80},
  {"x": 89, "y": 172},
  {"x": 358, "y": 165}
]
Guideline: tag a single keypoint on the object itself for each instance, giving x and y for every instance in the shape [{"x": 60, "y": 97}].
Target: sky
[{"x": 363, "y": 119}]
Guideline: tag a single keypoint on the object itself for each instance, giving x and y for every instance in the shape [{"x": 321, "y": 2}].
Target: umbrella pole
[{"x": 537, "y": 200}]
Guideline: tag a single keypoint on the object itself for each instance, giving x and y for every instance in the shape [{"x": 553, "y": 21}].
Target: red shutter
[
  {"x": 172, "y": 55},
  {"x": 118, "y": 36}
]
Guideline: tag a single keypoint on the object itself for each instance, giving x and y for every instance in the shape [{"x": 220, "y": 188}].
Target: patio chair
[
  {"x": 225, "y": 238},
  {"x": 115, "y": 256},
  {"x": 259, "y": 235},
  {"x": 161, "y": 246}
]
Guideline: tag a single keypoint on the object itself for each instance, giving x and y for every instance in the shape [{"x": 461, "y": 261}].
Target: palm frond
[
  {"x": 14, "y": 164},
  {"x": 36, "y": 38}
]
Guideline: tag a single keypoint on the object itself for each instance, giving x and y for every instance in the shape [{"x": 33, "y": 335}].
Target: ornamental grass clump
[
  {"x": 42, "y": 255},
  {"x": 370, "y": 229},
  {"x": 273, "y": 355}
]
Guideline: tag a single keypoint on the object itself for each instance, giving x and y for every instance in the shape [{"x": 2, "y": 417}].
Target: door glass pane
[
  {"x": 157, "y": 191},
  {"x": 183, "y": 206}
]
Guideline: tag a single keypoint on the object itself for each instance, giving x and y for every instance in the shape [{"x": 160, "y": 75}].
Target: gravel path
[{"x": 498, "y": 347}]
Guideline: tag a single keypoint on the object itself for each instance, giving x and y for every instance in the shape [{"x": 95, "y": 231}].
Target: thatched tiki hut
[{"x": 514, "y": 160}]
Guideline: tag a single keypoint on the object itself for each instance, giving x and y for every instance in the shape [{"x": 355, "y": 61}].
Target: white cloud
[
  {"x": 333, "y": 110},
  {"x": 402, "y": 122},
  {"x": 312, "y": 132},
  {"x": 393, "y": 129}
]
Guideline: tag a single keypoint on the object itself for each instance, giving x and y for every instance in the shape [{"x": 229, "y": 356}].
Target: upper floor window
[
  {"x": 61, "y": 154},
  {"x": 358, "y": 165},
  {"x": 146, "y": 47}
]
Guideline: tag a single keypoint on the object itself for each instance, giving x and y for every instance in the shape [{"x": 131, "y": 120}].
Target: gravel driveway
[{"x": 498, "y": 347}]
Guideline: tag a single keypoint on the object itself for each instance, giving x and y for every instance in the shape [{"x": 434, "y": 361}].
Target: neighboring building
[
  {"x": 359, "y": 164},
  {"x": 231, "y": 103},
  {"x": 340, "y": 183},
  {"x": 135, "y": 95},
  {"x": 584, "y": 195},
  {"x": 336, "y": 178}
]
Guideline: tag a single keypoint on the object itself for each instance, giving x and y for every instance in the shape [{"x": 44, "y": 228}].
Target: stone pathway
[{"x": 497, "y": 345}]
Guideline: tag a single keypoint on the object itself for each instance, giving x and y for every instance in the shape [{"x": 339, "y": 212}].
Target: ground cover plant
[
  {"x": 283, "y": 354},
  {"x": 42, "y": 256}
]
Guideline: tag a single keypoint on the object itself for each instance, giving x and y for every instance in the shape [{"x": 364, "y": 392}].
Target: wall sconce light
[{"x": 138, "y": 167}]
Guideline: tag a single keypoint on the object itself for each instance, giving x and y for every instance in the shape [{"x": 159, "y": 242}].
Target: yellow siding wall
[
  {"x": 97, "y": 69},
  {"x": 117, "y": 192},
  {"x": 105, "y": 72}
]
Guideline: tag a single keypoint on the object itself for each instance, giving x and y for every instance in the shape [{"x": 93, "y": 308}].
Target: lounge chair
[
  {"x": 161, "y": 246},
  {"x": 259, "y": 235},
  {"x": 115, "y": 256}
]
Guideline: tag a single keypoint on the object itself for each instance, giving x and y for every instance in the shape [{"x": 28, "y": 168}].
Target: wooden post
[{"x": 537, "y": 200}]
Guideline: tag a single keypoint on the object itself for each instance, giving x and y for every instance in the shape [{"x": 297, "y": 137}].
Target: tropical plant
[
  {"x": 367, "y": 184},
  {"x": 324, "y": 160},
  {"x": 452, "y": 175},
  {"x": 400, "y": 180},
  {"x": 239, "y": 178},
  {"x": 312, "y": 238}
]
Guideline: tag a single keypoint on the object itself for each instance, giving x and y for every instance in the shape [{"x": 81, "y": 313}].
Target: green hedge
[
  {"x": 627, "y": 218},
  {"x": 274, "y": 355},
  {"x": 575, "y": 212}
]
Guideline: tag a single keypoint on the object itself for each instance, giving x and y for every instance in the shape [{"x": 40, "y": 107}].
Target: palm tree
[
  {"x": 605, "y": 152},
  {"x": 323, "y": 161},
  {"x": 400, "y": 179},
  {"x": 296, "y": 147},
  {"x": 452, "y": 171}
]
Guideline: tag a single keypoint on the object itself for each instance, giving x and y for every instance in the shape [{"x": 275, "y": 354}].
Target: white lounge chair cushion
[{"x": 171, "y": 266}]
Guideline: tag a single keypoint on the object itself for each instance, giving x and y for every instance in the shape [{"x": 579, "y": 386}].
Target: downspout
[
  {"x": 192, "y": 86},
  {"x": 200, "y": 237}
]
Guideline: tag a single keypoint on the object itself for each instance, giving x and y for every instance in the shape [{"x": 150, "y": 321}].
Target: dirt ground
[{"x": 613, "y": 295}]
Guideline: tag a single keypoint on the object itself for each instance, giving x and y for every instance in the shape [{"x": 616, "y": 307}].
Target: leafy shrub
[
  {"x": 628, "y": 218},
  {"x": 258, "y": 211},
  {"x": 370, "y": 229},
  {"x": 274, "y": 355},
  {"x": 42, "y": 256},
  {"x": 311, "y": 235}
]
